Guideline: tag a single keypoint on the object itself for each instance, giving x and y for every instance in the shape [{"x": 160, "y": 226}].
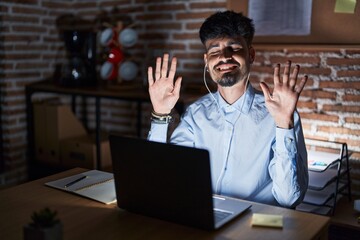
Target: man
[{"x": 255, "y": 138}]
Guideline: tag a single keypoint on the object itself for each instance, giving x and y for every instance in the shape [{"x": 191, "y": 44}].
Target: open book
[{"x": 93, "y": 184}]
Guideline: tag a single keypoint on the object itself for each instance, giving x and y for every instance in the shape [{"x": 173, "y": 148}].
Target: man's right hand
[{"x": 164, "y": 93}]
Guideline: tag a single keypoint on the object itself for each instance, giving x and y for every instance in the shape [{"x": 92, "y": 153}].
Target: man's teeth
[{"x": 226, "y": 68}]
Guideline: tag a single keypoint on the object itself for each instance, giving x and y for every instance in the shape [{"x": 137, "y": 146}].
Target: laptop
[{"x": 169, "y": 182}]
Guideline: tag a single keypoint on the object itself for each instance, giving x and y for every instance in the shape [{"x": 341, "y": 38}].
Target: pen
[{"x": 75, "y": 181}]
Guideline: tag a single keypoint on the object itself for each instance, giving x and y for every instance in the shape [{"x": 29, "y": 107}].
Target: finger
[
  {"x": 294, "y": 76},
  {"x": 266, "y": 90},
  {"x": 158, "y": 67},
  {"x": 150, "y": 76},
  {"x": 286, "y": 72},
  {"x": 301, "y": 85},
  {"x": 164, "y": 67},
  {"x": 173, "y": 68},
  {"x": 277, "y": 74}
]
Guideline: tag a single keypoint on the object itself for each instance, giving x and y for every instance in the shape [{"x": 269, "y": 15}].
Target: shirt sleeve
[{"x": 288, "y": 167}]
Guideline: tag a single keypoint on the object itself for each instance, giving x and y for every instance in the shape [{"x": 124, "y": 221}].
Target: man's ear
[
  {"x": 252, "y": 54},
  {"x": 205, "y": 59}
]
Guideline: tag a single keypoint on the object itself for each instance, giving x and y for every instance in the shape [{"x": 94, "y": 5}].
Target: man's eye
[
  {"x": 237, "y": 49},
  {"x": 214, "y": 53}
]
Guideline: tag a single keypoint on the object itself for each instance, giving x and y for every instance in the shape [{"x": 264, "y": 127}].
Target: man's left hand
[{"x": 281, "y": 103}]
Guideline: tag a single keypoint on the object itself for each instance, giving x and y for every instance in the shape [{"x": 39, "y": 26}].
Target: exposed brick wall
[{"x": 30, "y": 48}]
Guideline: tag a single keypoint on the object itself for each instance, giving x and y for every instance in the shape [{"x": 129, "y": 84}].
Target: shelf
[
  {"x": 322, "y": 197},
  {"x": 323, "y": 210},
  {"x": 320, "y": 180}
]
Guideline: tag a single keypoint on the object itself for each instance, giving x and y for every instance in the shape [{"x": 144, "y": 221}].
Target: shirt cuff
[
  {"x": 285, "y": 140},
  {"x": 158, "y": 132}
]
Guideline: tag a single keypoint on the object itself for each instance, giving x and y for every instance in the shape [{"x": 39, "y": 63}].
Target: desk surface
[{"x": 86, "y": 219}]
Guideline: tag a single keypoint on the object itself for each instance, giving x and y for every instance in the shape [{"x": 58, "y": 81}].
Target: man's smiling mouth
[{"x": 226, "y": 68}]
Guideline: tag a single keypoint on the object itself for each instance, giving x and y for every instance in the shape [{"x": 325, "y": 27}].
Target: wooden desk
[{"x": 86, "y": 219}]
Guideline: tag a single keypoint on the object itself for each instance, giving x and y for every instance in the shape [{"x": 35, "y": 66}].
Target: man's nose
[{"x": 226, "y": 53}]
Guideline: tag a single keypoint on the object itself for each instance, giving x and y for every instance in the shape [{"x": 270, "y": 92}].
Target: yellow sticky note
[
  {"x": 267, "y": 220},
  {"x": 345, "y": 6}
]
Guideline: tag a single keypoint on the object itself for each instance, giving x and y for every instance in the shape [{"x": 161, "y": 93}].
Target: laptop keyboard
[{"x": 220, "y": 215}]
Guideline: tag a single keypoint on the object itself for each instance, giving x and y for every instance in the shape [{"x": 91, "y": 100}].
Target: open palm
[
  {"x": 164, "y": 93},
  {"x": 281, "y": 103}
]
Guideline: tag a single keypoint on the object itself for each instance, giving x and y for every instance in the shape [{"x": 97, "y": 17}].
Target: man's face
[{"x": 228, "y": 60}]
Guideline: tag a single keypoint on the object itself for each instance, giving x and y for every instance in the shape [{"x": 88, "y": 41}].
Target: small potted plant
[{"x": 44, "y": 226}]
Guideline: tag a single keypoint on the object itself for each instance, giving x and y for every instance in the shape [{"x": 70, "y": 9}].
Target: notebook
[
  {"x": 94, "y": 184},
  {"x": 169, "y": 182}
]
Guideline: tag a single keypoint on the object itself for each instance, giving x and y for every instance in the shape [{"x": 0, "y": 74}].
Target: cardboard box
[
  {"x": 53, "y": 122},
  {"x": 81, "y": 152}
]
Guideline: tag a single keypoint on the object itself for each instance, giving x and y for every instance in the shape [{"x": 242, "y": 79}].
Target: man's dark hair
[{"x": 227, "y": 24}]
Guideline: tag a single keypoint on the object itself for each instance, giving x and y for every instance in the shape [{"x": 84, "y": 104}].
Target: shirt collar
[{"x": 239, "y": 105}]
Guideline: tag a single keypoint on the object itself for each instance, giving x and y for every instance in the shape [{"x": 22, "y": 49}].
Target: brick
[
  {"x": 166, "y": 26},
  {"x": 315, "y": 137},
  {"x": 351, "y": 97},
  {"x": 340, "y": 84},
  {"x": 193, "y": 65},
  {"x": 21, "y": 56},
  {"x": 21, "y": 38},
  {"x": 166, "y": 7},
  {"x": 350, "y": 142},
  {"x": 193, "y": 25},
  {"x": 295, "y": 60},
  {"x": 318, "y": 93},
  {"x": 28, "y": 10},
  {"x": 155, "y": 17},
  {"x": 192, "y": 15},
  {"x": 197, "y": 46},
  {"x": 307, "y": 105},
  {"x": 21, "y": 1},
  {"x": 167, "y": 46},
  {"x": 32, "y": 65},
  {"x": 263, "y": 69},
  {"x": 114, "y": 3},
  {"x": 316, "y": 71},
  {"x": 153, "y": 36},
  {"x": 319, "y": 117},
  {"x": 3, "y": 9},
  {"x": 23, "y": 75},
  {"x": 348, "y": 73},
  {"x": 190, "y": 56},
  {"x": 29, "y": 47},
  {"x": 82, "y": 5},
  {"x": 339, "y": 130},
  {"x": 205, "y": 5},
  {"x": 20, "y": 19},
  {"x": 355, "y": 155},
  {"x": 343, "y": 61},
  {"x": 352, "y": 120},
  {"x": 341, "y": 108},
  {"x": 352, "y": 51},
  {"x": 185, "y": 36},
  {"x": 31, "y": 29},
  {"x": 56, "y": 5}
]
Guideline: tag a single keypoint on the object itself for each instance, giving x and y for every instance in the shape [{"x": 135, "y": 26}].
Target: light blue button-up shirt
[{"x": 250, "y": 157}]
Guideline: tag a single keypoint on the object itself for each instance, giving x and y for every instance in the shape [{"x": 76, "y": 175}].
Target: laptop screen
[{"x": 161, "y": 180}]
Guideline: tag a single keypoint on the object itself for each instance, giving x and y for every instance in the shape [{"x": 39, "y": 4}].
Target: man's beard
[{"x": 229, "y": 79}]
